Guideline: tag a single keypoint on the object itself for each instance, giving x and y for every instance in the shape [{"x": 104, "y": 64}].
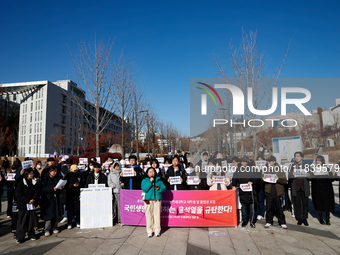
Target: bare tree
[
  {"x": 249, "y": 67},
  {"x": 57, "y": 140},
  {"x": 100, "y": 77},
  {"x": 126, "y": 85},
  {"x": 138, "y": 104}
]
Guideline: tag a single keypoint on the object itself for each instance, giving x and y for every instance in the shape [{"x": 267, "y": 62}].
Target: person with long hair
[
  {"x": 27, "y": 194},
  {"x": 116, "y": 185},
  {"x": 176, "y": 170},
  {"x": 153, "y": 188},
  {"x": 322, "y": 191}
]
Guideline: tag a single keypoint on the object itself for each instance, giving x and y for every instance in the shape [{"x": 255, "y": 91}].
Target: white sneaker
[
  {"x": 56, "y": 231},
  {"x": 149, "y": 234},
  {"x": 284, "y": 226},
  {"x": 157, "y": 234},
  {"x": 47, "y": 233},
  {"x": 267, "y": 225},
  {"x": 8, "y": 217},
  {"x": 259, "y": 217},
  {"x": 63, "y": 220},
  {"x": 78, "y": 225},
  {"x": 69, "y": 227},
  {"x": 293, "y": 216}
]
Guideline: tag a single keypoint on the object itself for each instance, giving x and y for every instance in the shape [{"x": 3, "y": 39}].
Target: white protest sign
[
  {"x": 127, "y": 162},
  {"x": 106, "y": 165},
  {"x": 83, "y": 161},
  {"x": 65, "y": 157},
  {"x": 193, "y": 180},
  {"x": 27, "y": 164},
  {"x": 230, "y": 172},
  {"x": 128, "y": 172},
  {"x": 98, "y": 160},
  {"x": 246, "y": 187},
  {"x": 115, "y": 159},
  {"x": 96, "y": 207},
  {"x": 320, "y": 171},
  {"x": 160, "y": 160},
  {"x": 11, "y": 176},
  {"x": 175, "y": 180},
  {"x": 260, "y": 163},
  {"x": 218, "y": 179},
  {"x": 224, "y": 163},
  {"x": 269, "y": 178},
  {"x": 81, "y": 168},
  {"x": 300, "y": 173}
]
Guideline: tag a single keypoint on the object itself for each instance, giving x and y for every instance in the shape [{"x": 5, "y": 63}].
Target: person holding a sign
[
  {"x": 322, "y": 190},
  {"x": 27, "y": 194},
  {"x": 153, "y": 188},
  {"x": 49, "y": 162},
  {"x": 159, "y": 171},
  {"x": 10, "y": 183},
  {"x": 176, "y": 170},
  {"x": 274, "y": 190},
  {"x": 51, "y": 208},
  {"x": 197, "y": 180},
  {"x": 133, "y": 182},
  {"x": 299, "y": 175},
  {"x": 97, "y": 177},
  {"x": 218, "y": 180},
  {"x": 245, "y": 179}
]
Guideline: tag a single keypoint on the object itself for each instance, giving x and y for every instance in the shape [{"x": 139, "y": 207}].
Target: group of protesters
[{"x": 37, "y": 187}]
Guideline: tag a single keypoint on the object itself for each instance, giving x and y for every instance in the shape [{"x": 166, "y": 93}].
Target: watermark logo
[
  {"x": 238, "y": 99},
  {"x": 204, "y": 97}
]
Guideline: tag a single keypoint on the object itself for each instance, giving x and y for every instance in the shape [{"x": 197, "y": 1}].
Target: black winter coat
[
  {"x": 2, "y": 184},
  {"x": 323, "y": 193},
  {"x": 181, "y": 172},
  {"x": 102, "y": 179},
  {"x": 50, "y": 199},
  {"x": 136, "y": 180},
  {"x": 240, "y": 177},
  {"x": 25, "y": 191},
  {"x": 72, "y": 193}
]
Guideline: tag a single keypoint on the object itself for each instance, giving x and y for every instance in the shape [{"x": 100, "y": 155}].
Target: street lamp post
[{"x": 147, "y": 123}]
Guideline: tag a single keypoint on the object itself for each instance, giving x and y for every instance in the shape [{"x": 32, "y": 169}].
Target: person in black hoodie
[
  {"x": 135, "y": 181},
  {"x": 51, "y": 208},
  {"x": 10, "y": 193},
  {"x": 72, "y": 196},
  {"x": 5, "y": 164},
  {"x": 245, "y": 174},
  {"x": 63, "y": 171},
  {"x": 97, "y": 177},
  {"x": 176, "y": 170},
  {"x": 202, "y": 179},
  {"x": 27, "y": 193}
]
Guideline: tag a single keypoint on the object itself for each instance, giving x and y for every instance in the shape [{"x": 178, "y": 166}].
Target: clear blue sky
[{"x": 169, "y": 41}]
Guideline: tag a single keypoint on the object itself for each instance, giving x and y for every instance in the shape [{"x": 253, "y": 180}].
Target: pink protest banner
[{"x": 198, "y": 208}]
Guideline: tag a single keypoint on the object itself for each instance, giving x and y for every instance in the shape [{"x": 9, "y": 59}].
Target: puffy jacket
[{"x": 150, "y": 190}]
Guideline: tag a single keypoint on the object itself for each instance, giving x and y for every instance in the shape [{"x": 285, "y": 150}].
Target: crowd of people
[{"x": 35, "y": 187}]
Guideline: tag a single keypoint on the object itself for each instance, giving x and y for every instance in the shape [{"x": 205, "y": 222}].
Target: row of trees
[
  {"x": 9, "y": 128},
  {"x": 112, "y": 89}
]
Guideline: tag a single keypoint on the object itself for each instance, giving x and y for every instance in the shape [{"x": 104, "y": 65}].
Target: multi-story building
[{"x": 47, "y": 113}]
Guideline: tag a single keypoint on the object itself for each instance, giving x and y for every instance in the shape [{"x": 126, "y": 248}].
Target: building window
[
  {"x": 30, "y": 128},
  {"x": 63, "y": 120},
  {"x": 40, "y": 127},
  {"x": 41, "y": 103},
  {"x": 29, "y": 150},
  {"x": 63, "y": 131},
  {"x": 41, "y": 115},
  {"x": 64, "y": 99},
  {"x": 30, "y": 140},
  {"x": 63, "y": 109},
  {"x": 35, "y": 127},
  {"x": 32, "y": 107},
  {"x": 31, "y": 120}
]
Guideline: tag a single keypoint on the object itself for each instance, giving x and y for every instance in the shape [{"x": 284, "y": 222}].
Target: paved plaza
[{"x": 130, "y": 240}]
